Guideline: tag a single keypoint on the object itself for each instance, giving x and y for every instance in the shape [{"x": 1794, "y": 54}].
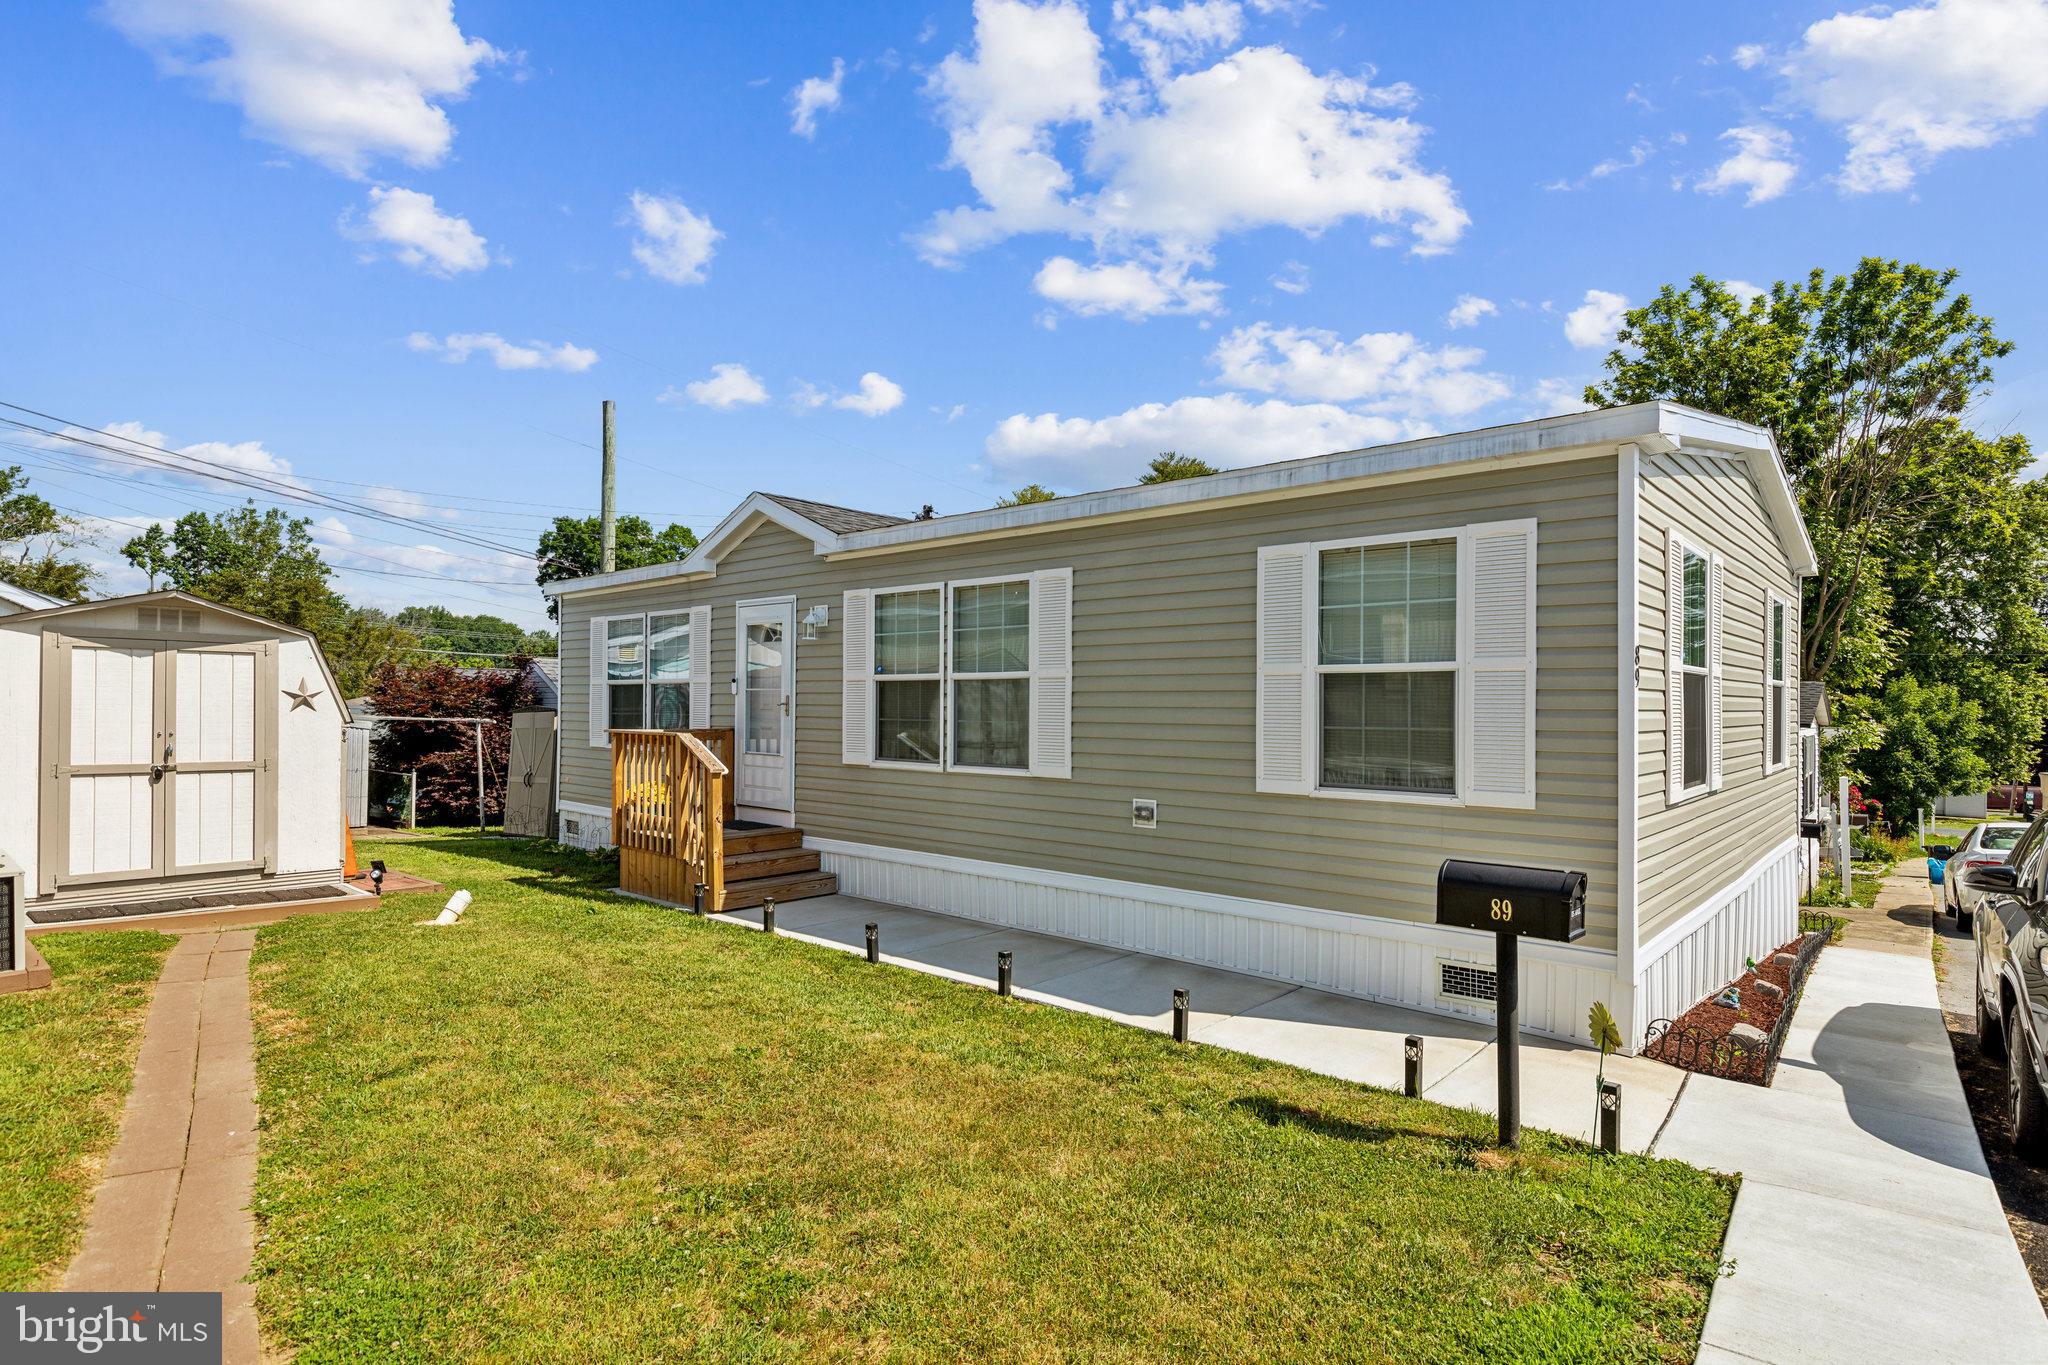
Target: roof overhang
[
  {"x": 26, "y": 599},
  {"x": 1654, "y": 427},
  {"x": 143, "y": 599}
]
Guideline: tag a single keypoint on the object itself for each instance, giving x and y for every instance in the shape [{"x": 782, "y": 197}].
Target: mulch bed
[{"x": 1699, "y": 1040}]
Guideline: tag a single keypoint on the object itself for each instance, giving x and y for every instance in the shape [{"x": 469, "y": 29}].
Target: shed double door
[{"x": 162, "y": 760}]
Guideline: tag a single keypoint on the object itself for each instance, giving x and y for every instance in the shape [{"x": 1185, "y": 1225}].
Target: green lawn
[
  {"x": 582, "y": 1127},
  {"x": 66, "y": 1056}
]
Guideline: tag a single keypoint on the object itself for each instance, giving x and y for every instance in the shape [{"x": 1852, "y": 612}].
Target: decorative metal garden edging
[{"x": 1717, "y": 1054}]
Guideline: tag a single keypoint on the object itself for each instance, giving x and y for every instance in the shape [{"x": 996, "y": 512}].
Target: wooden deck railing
[{"x": 671, "y": 799}]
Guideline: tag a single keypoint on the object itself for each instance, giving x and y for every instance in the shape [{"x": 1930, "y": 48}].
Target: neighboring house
[
  {"x": 1242, "y": 719},
  {"x": 546, "y": 675},
  {"x": 14, "y": 600},
  {"x": 160, "y": 746}
]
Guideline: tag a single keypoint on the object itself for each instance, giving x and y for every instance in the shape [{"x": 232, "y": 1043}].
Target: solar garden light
[
  {"x": 768, "y": 914},
  {"x": 1411, "y": 1080},
  {"x": 1180, "y": 1015},
  {"x": 874, "y": 943},
  {"x": 1003, "y": 972},
  {"x": 697, "y": 899},
  {"x": 1610, "y": 1117},
  {"x": 377, "y": 875}
]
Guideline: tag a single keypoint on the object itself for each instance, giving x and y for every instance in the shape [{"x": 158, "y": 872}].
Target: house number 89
[{"x": 1503, "y": 909}]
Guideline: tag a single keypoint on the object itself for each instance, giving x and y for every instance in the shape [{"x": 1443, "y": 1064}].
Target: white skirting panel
[
  {"x": 1385, "y": 960},
  {"x": 1704, "y": 951},
  {"x": 585, "y": 827}
]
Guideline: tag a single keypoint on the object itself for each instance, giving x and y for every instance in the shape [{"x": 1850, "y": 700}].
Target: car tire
[
  {"x": 2023, "y": 1092},
  {"x": 1990, "y": 1030},
  {"x": 1963, "y": 920}
]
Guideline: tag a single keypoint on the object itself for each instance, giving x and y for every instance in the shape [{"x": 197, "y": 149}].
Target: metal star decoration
[{"x": 303, "y": 697}]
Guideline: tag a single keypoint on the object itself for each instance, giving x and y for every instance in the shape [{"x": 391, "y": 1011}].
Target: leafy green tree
[
  {"x": 362, "y": 644},
  {"x": 486, "y": 639},
  {"x": 1169, "y": 465},
  {"x": 151, "y": 553},
  {"x": 262, "y": 561},
  {"x": 1925, "y": 617},
  {"x": 34, "y": 539},
  {"x": 1029, "y": 493},
  {"x": 572, "y": 547}
]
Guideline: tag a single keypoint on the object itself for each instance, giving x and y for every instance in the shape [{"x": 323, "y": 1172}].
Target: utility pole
[{"x": 608, "y": 519}]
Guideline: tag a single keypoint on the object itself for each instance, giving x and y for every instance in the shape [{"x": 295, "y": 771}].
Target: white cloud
[
  {"x": 337, "y": 541},
  {"x": 730, "y": 386},
  {"x": 875, "y": 396},
  {"x": 457, "y": 347},
  {"x": 1744, "y": 291},
  {"x": 343, "y": 83},
  {"x": 116, "y": 439},
  {"x": 1226, "y": 430},
  {"x": 1639, "y": 151},
  {"x": 417, "y": 233},
  {"x": 1469, "y": 309},
  {"x": 1907, "y": 85},
  {"x": 1762, "y": 163},
  {"x": 1750, "y": 56},
  {"x": 1594, "y": 322},
  {"x": 814, "y": 96},
  {"x": 1292, "y": 278},
  {"x": 673, "y": 244},
  {"x": 1391, "y": 372},
  {"x": 1552, "y": 397},
  {"x": 1126, "y": 288},
  {"x": 1172, "y": 161}
]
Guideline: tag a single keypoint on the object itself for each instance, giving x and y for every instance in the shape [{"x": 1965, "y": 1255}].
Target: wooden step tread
[
  {"x": 769, "y": 862},
  {"x": 794, "y": 887},
  {"x": 754, "y": 840}
]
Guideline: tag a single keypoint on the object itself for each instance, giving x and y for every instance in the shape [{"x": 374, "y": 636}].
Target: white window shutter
[
  {"x": 1791, "y": 675},
  {"x": 857, "y": 679},
  {"x": 1714, "y": 672},
  {"x": 1052, "y": 673},
  {"x": 600, "y": 699},
  {"x": 700, "y": 668},
  {"x": 1286, "y": 739},
  {"x": 1500, "y": 665},
  {"x": 1674, "y": 652}
]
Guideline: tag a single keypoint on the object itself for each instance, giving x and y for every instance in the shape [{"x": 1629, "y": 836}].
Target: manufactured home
[
  {"x": 1242, "y": 720},
  {"x": 160, "y": 750}
]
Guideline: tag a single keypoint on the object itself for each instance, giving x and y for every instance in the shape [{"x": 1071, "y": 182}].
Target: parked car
[
  {"x": 1985, "y": 845},
  {"x": 2012, "y": 981}
]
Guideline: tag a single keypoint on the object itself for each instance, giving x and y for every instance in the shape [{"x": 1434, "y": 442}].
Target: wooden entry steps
[{"x": 760, "y": 863}]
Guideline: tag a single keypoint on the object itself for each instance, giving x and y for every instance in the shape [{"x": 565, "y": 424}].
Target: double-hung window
[
  {"x": 1774, "y": 690},
  {"x": 649, "y": 671},
  {"x": 1387, "y": 665},
  {"x": 968, "y": 676},
  {"x": 1693, "y": 609}
]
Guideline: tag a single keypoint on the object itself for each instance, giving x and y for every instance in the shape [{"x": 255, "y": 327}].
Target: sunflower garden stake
[{"x": 1600, "y": 1023}]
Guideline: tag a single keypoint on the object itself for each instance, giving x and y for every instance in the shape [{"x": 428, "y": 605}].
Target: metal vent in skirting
[
  {"x": 572, "y": 825},
  {"x": 1464, "y": 981}
]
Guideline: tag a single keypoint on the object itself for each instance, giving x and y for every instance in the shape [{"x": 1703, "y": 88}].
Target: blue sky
[{"x": 394, "y": 253}]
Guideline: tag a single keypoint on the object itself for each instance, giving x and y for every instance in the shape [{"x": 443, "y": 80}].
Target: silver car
[{"x": 1985, "y": 845}]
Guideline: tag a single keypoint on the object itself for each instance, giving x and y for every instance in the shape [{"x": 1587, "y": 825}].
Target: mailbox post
[{"x": 1511, "y": 903}]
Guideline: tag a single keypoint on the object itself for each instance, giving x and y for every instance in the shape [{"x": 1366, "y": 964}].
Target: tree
[
  {"x": 1925, "y": 617},
  {"x": 573, "y": 548},
  {"x": 1029, "y": 493},
  {"x": 257, "y": 561},
  {"x": 151, "y": 553},
  {"x": 1169, "y": 465},
  {"x": 34, "y": 537},
  {"x": 444, "y": 755},
  {"x": 479, "y": 640},
  {"x": 361, "y": 643}
]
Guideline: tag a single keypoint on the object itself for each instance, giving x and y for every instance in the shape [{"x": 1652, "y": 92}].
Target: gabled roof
[
  {"x": 840, "y": 519},
  {"x": 22, "y": 599},
  {"x": 1813, "y": 704},
  {"x": 167, "y": 596},
  {"x": 1655, "y": 427}
]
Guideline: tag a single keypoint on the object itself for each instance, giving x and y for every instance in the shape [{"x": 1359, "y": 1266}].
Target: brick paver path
[{"x": 172, "y": 1210}]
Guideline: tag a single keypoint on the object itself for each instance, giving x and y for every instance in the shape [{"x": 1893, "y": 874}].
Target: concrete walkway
[
  {"x": 172, "y": 1209},
  {"x": 1338, "y": 1035},
  {"x": 1867, "y": 1228}
]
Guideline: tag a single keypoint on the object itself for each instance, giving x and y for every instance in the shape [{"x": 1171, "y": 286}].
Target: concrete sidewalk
[
  {"x": 1867, "y": 1228},
  {"x": 1338, "y": 1035},
  {"x": 172, "y": 1208}
]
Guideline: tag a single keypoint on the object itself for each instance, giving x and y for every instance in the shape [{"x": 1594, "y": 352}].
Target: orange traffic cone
[{"x": 348, "y": 853}]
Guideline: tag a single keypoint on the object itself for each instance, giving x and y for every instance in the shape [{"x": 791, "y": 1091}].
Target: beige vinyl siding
[
  {"x": 1164, "y": 620},
  {"x": 1688, "y": 850}
]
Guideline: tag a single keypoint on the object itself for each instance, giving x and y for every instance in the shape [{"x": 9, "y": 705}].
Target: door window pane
[
  {"x": 1390, "y": 731},
  {"x": 764, "y": 689},
  {"x": 1390, "y": 604},
  {"x": 908, "y": 721},
  {"x": 907, "y": 632},
  {"x": 992, "y": 628},
  {"x": 992, "y": 722}
]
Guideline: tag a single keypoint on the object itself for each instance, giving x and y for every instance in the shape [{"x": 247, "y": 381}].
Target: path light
[
  {"x": 697, "y": 900},
  {"x": 1411, "y": 1080},
  {"x": 1003, "y": 972},
  {"x": 874, "y": 943},
  {"x": 377, "y": 875},
  {"x": 1180, "y": 1015},
  {"x": 1610, "y": 1117},
  {"x": 768, "y": 914}
]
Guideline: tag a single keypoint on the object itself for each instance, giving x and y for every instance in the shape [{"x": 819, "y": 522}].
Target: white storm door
[
  {"x": 108, "y": 776},
  {"x": 766, "y": 724},
  {"x": 214, "y": 775}
]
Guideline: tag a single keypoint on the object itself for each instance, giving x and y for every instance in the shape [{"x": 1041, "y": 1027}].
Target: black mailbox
[{"x": 1528, "y": 902}]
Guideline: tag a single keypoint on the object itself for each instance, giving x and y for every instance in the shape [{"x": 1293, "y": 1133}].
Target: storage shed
[{"x": 161, "y": 747}]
